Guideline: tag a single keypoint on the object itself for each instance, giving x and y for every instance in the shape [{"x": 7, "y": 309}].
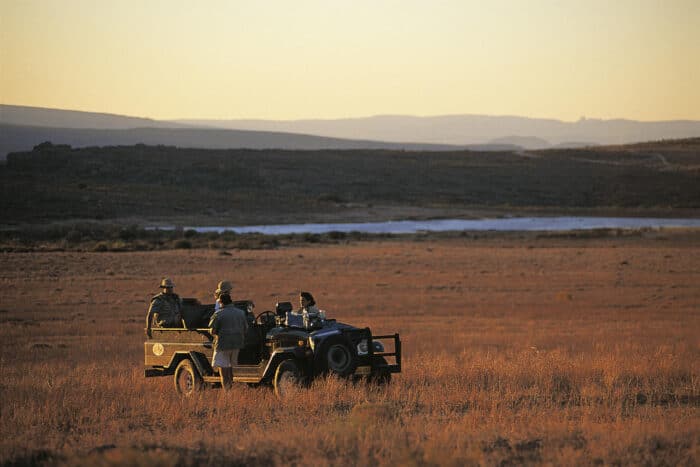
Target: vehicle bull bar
[{"x": 393, "y": 368}]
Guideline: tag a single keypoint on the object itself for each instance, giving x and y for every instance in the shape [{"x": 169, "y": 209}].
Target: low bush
[{"x": 183, "y": 244}]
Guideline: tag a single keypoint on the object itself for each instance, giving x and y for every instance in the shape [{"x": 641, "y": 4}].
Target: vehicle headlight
[{"x": 362, "y": 348}]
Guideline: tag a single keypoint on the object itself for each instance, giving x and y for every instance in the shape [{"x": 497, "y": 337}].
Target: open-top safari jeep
[{"x": 281, "y": 349}]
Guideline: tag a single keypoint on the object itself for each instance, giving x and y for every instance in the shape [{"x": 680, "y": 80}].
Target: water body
[{"x": 511, "y": 224}]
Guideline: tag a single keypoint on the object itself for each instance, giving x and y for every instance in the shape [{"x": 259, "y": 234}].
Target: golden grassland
[{"x": 556, "y": 351}]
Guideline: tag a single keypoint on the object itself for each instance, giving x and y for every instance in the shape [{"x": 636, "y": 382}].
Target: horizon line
[{"x": 379, "y": 115}]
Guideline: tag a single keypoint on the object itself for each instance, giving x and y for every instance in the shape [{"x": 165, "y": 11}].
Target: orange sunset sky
[{"x": 636, "y": 59}]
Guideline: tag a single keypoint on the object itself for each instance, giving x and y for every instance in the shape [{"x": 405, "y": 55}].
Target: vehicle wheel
[
  {"x": 337, "y": 356},
  {"x": 187, "y": 379},
  {"x": 287, "y": 378}
]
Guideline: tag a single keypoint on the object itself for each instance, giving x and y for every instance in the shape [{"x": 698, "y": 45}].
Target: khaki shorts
[{"x": 225, "y": 358}]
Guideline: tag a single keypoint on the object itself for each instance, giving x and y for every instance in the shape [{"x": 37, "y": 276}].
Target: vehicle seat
[
  {"x": 281, "y": 309},
  {"x": 194, "y": 314}
]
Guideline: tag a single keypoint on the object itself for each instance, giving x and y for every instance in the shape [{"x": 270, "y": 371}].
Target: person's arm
[
  {"x": 152, "y": 314},
  {"x": 149, "y": 316},
  {"x": 214, "y": 324}
]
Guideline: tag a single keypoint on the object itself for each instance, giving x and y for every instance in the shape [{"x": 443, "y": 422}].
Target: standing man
[
  {"x": 165, "y": 309},
  {"x": 229, "y": 326}
]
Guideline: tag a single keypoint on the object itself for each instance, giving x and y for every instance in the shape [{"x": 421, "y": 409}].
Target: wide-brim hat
[
  {"x": 167, "y": 283},
  {"x": 223, "y": 287}
]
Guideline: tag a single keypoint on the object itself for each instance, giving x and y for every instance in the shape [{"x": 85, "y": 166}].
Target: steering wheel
[{"x": 263, "y": 319}]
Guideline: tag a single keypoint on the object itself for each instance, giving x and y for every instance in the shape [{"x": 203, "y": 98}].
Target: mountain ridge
[
  {"x": 61, "y": 118},
  {"x": 23, "y": 127},
  {"x": 17, "y": 138},
  {"x": 473, "y": 129}
]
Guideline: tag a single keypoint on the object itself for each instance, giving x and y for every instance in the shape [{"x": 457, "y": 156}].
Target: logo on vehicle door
[{"x": 158, "y": 349}]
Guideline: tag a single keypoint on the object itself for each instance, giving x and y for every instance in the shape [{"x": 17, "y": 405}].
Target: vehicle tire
[
  {"x": 337, "y": 356},
  {"x": 187, "y": 379},
  {"x": 288, "y": 378}
]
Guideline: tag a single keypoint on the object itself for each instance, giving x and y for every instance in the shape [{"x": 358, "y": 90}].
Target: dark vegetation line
[
  {"x": 103, "y": 237},
  {"x": 237, "y": 187}
]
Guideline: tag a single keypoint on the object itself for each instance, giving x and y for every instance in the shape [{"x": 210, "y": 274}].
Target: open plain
[{"x": 565, "y": 351}]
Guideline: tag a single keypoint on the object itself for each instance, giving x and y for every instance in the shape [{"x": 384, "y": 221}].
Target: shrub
[
  {"x": 74, "y": 236},
  {"x": 129, "y": 233},
  {"x": 327, "y": 197},
  {"x": 183, "y": 244},
  {"x": 311, "y": 238}
]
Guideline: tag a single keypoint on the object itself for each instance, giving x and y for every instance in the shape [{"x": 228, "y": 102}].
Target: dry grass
[{"x": 565, "y": 352}]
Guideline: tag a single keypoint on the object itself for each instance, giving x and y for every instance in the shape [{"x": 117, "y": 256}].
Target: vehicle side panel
[{"x": 162, "y": 353}]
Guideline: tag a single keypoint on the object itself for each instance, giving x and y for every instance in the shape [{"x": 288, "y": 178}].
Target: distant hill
[
  {"x": 525, "y": 142},
  {"x": 57, "y": 118},
  {"x": 239, "y": 187},
  {"x": 22, "y": 138},
  {"x": 473, "y": 129},
  {"x": 21, "y": 128}
]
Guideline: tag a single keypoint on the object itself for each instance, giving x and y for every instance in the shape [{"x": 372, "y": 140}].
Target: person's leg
[
  {"x": 232, "y": 361},
  {"x": 226, "y": 377},
  {"x": 222, "y": 360}
]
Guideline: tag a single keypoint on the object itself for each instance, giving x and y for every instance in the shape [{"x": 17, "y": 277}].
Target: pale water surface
[{"x": 444, "y": 225}]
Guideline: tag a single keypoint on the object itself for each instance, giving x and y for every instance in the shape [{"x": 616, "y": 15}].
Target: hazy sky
[{"x": 637, "y": 59}]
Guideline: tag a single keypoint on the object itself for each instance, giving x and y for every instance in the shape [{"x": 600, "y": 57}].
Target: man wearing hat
[
  {"x": 223, "y": 287},
  {"x": 165, "y": 308},
  {"x": 229, "y": 326}
]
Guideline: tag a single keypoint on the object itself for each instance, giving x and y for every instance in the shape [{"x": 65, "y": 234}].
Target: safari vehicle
[{"x": 282, "y": 349}]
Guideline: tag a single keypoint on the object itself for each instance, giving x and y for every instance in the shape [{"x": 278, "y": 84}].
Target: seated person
[
  {"x": 308, "y": 305},
  {"x": 307, "y": 315},
  {"x": 165, "y": 309}
]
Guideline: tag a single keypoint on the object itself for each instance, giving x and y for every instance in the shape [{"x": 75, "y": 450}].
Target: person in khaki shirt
[
  {"x": 165, "y": 310},
  {"x": 229, "y": 326}
]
